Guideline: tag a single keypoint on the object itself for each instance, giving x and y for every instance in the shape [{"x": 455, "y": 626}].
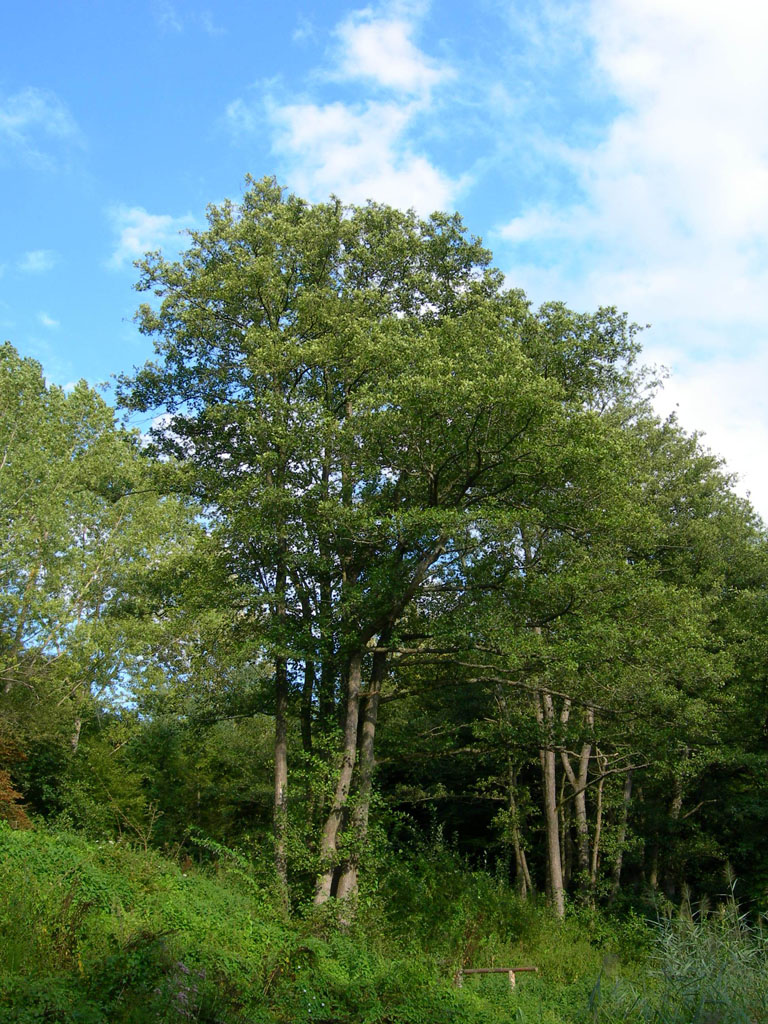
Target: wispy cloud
[
  {"x": 6, "y": 319},
  {"x": 674, "y": 199},
  {"x": 172, "y": 18},
  {"x": 139, "y": 232},
  {"x": 723, "y": 395},
  {"x": 359, "y": 153},
  {"x": 366, "y": 148},
  {"x": 37, "y": 261},
  {"x": 167, "y": 16},
  {"x": 243, "y": 118},
  {"x": 380, "y": 50},
  {"x": 208, "y": 24},
  {"x": 305, "y": 30},
  {"x": 666, "y": 214},
  {"x": 30, "y": 120},
  {"x": 47, "y": 321}
]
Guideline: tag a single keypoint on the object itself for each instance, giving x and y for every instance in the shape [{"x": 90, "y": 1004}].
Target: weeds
[
  {"x": 99, "y": 933},
  {"x": 707, "y": 968}
]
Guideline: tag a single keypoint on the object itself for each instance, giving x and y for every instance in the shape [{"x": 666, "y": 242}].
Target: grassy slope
[{"x": 104, "y": 933}]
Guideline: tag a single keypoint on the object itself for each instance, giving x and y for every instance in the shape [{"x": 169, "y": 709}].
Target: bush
[{"x": 100, "y": 933}]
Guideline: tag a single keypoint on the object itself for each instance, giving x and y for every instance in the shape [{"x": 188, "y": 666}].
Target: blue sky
[{"x": 608, "y": 151}]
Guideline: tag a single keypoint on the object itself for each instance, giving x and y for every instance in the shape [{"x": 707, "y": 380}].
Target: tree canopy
[{"x": 398, "y": 547}]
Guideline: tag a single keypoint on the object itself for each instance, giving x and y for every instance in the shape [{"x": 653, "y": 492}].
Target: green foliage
[
  {"x": 711, "y": 970},
  {"x": 82, "y": 531},
  {"x": 414, "y": 510},
  {"x": 129, "y": 929},
  {"x": 103, "y": 932}
]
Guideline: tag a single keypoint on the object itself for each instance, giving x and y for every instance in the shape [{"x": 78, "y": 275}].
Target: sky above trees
[{"x": 608, "y": 151}]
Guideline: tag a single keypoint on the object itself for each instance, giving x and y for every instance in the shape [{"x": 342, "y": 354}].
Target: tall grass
[{"x": 704, "y": 968}]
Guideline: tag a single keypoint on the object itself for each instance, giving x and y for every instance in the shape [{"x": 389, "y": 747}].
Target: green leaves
[
  {"x": 81, "y": 528},
  {"x": 387, "y": 443}
]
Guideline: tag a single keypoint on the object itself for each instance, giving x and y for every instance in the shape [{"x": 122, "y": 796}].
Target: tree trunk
[
  {"x": 673, "y": 873},
  {"x": 281, "y": 773},
  {"x": 326, "y": 684},
  {"x": 310, "y": 672},
  {"x": 601, "y": 766},
  {"x": 523, "y": 882},
  {"x": 579, "y": 787},
  {"x": 545, "y": 716},
  {"x": 329, "y": 838},
  {"x": 622, "y": 837},
  {"x": 566, "y": 842},
  {"x": 653, "y": 873},
  {"x": 280, "y": 808},
  {"x": 348, "y": 879},
  {"x": 307, "y": 692}
]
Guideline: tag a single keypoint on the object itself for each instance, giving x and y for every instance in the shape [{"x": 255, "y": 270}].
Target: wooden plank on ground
[{"x": 509, "y": 971}]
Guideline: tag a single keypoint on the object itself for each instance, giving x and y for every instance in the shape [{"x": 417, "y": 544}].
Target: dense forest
[{"x": 380, "y": 588}]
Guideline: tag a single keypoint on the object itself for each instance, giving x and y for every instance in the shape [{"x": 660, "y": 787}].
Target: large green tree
[{"x": 364, "y": 409}]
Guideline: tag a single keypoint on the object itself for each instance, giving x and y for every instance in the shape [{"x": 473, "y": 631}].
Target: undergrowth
[
  {"x": 97, "y": 933},
  {"x": 707, "y": 968}
]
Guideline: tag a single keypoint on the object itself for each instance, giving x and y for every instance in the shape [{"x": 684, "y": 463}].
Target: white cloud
[
  {"x": 359, "y": 153},
  {"x": 380, "y": 49},
  {"x": 167, "y": 16},
  {"x": 171, "y": 18},
  {"x": 209, "y": 26},
  {"x": 365, "y": 148},
  {"x": 37, "y": 261},
  {"x": 139, "y": 232},
  {"x": 31, "y": 118},
  {"x": 721, "y": 397},
  {"x": 675, "y": 198},
  {"x": 545, "y": 222},
  {"x": 243, "y": 118},
  {"x": 305, "y": 31},
  {"x": 47, "y": 321},
  {"x": 672, "y": 219}
]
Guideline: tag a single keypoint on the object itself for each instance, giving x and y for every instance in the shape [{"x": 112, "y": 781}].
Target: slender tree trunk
[
  {"x": 348, "y": 879},
  {"x": 580, "y": 809},
  {"x": 545, "y": 715},
  {"x": 281, "y": 773},
  {"x": 566, "y": 842},
  {"x": 326, "y": 693},
  {"x": 579, "y": 787},
  {"x": 307, "y": 692},
  {"x": 310, "y": 673},
  {"x": 330, "y": 834},
  {"x": 673, "y": 874},
  {"x": 280, "y": 807},
  {"x": 523, "y": 882},
  {"x": 622, "y": 836},
  {"x": 601, "y": 765},
  {"x": 653, "y": 872},
  {"x": 75, "y": 737}
]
